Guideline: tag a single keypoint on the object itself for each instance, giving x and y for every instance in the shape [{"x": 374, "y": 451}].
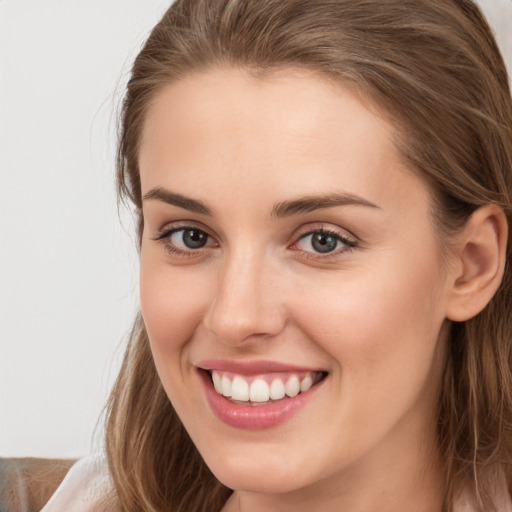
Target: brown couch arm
[{"x": 26, "y": 484}]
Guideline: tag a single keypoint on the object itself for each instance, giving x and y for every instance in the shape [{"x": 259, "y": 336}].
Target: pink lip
[
  {"x": 249, "y": 368},
  {"x": 254, "y": 417}
]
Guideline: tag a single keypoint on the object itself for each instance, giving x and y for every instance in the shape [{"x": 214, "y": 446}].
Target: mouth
[
  {"x": 263, "y": 389},
  {"x": 258, "y": 395}
]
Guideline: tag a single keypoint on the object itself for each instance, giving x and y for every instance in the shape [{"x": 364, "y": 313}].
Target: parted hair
[{"x": 433, "y": 67}]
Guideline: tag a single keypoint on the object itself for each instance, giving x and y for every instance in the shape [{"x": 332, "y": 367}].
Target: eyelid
[
  {"x": 350, "y": 241},
  {"x": 181, "y": 224},
  {"x": 165, "y": 233},
  {"x": 172, "y": 231},
  {"x": 174, "y": 226},
  {"x": 323, "y": 227}
]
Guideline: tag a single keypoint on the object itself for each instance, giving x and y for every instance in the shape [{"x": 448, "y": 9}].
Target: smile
[
  {"x": 258, "y": 396},
  {"x": 265, "y": 388}
]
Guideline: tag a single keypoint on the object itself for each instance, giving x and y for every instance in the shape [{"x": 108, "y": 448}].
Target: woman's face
[{"x": 285, "y": 247}]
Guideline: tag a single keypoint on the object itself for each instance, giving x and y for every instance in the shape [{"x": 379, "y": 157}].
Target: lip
[
  {"x": 251, "y": 368},
  {"x": 256, "y": 417}
]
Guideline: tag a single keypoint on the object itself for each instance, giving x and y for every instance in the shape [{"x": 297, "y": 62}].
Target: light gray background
[{"x": 68, "y": 266}]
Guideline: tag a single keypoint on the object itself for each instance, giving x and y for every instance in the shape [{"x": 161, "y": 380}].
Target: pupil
[
  {"x": 194, "y": 238},
  {"x": 323, "y": 243}
]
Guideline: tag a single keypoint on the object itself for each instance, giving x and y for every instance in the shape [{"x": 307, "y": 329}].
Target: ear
[{"x": 479, "y": 263}]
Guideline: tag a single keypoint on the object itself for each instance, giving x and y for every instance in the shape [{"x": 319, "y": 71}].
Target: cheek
[
  {"x": 382, "y": 322},
  {"x": 172, "y": 304},
  {"x": 381, "y": 332}
]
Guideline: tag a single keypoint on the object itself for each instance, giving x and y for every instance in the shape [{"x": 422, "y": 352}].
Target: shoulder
[{"x": 86, "y": 488}]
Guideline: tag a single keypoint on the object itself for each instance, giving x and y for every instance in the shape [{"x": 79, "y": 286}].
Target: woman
[{"x": 324, "y": 198}]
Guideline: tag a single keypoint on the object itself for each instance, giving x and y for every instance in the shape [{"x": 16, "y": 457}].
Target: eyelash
[
  {"x": 348, "y": 243},
  {"x": 165, "y": 236}
]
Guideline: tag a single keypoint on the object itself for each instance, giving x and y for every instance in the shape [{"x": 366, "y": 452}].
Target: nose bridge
[{"x": 246, "y": 303}]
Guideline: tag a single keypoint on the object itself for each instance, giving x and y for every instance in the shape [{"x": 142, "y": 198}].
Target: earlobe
[{"x": 480, "y": 263}]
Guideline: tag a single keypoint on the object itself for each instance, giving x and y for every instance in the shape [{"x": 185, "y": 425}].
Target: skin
[{"x": 373, "y": 316}]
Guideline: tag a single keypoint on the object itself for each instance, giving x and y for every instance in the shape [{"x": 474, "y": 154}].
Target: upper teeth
[{"x": 261, "y": 388}]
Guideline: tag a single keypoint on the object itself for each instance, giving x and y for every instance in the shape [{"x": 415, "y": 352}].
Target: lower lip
[{"x": 256, "y": 417}]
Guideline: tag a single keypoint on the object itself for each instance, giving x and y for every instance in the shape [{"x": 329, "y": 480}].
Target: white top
[
  {"x": 88, "y": 482},
  {"x": 84, "y": 487}
]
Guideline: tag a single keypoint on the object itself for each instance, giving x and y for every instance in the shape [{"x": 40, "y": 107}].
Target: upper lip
[{"x": 251, "y": 367}]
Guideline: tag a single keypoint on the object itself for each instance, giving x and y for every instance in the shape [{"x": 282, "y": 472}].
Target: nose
[{"x": 247, "y": 305}]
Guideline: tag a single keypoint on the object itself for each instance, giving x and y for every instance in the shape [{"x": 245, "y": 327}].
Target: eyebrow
[
  {"x": 187, "y": 203},
  {"x": 289, "y": 208},
  {"x": 312, "y": 203}
]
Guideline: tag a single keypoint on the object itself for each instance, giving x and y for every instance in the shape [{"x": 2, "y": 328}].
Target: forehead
[
  {"x": 288, "y": 129},
  {"x": 232, "y": 99}
]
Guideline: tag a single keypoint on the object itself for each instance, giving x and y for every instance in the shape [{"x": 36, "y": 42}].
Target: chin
[
  {"x": 263, "y": 482},
  {"x": 267, "y": 477}
]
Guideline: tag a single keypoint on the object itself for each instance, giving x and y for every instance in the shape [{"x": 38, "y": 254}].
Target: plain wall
[{"x": 68, "y": 266}]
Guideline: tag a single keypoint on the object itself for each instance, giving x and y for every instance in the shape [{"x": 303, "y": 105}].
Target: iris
[
  {"x": 323, "y": 242},
  {"x": 194, "y": 238}
]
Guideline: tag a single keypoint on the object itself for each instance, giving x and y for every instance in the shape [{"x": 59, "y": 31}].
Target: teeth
[
  {"x": 240, "y": 389},
  {"x": 226, "y": 386},
  {"x": 217, "y": 384},
  {"x": 306, "y": 383},
  {"x": 277, "y": 389},
  {"x": 259, "y": 390},
  {"x": 292, "y": 387}
]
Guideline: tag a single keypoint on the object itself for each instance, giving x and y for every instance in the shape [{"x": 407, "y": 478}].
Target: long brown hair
[{"x": 433, "y": 66}]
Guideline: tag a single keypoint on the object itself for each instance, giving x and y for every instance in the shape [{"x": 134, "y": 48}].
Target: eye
[
  {"x": 185, "y": 241},
  {"x": 189, "y": 238},
  {"x": 323, "y": 242}
]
